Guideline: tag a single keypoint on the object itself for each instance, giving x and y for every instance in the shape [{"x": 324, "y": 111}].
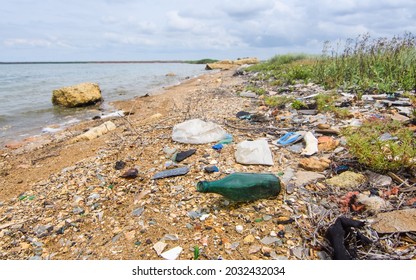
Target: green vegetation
[
  {"x": 277, "y": 101},
  {"x": 297, "y": 105},
  {"x": 379, "y": 65},
  {"x": 256, "y": 90},
  {"x": 363, "y": 64},
  {"x": 392, "y": 154},
  {"x": 202, "y": 61},
  {"x": 326, "y": 103},
  {"x": 196, "y": 252},
  {"x": 284, "y": 69}
]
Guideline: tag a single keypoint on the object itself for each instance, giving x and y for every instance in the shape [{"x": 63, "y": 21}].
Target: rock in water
[{"x": 78, "y": 95}]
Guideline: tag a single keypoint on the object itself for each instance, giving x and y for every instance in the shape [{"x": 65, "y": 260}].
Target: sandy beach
[
  {"x": 67, "y": 197},
  {"x": 49, "y": 183}
]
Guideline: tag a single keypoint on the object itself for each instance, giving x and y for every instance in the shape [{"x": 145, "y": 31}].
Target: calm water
[{"x": 26, "y": 91}]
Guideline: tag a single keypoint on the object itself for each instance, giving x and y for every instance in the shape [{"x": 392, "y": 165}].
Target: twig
[{"x": 398, "y": 179}]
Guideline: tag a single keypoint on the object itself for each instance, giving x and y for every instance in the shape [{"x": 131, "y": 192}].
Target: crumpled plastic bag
[
  {"x": 254, "y": 152},
  {"x": 197, "y": 131}
]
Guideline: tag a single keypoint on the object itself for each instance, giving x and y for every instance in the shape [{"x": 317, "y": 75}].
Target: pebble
[
  {"x": 269, "y": 240},
  {"x": 137, "y": 212},
  {"x": 159, "y": 247},
  {"x": 347, "y": 180},
  {"x": 239, "y": 228}
]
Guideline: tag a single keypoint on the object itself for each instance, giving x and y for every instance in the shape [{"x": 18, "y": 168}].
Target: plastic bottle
[{"x": 243, "y": 186}]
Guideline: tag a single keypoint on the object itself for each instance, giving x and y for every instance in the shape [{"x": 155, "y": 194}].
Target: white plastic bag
[
  {"x": 254, "y": 152},
  {"x": 197, "y": 131}
]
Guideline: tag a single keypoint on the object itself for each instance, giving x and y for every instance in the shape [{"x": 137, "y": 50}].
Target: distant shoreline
[{"x": 96, "y": 62}]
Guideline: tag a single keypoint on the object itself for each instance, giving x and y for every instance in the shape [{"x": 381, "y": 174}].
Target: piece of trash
[
  {"x": 227, "y": 140},
  {"x": 387, "y": 137},
  {"x": 242, "y": 115},
  {"x": 218, "y": 147},
  {"x": 130, "y": 174},
  {"x": 378, "y": 180},
  {"x": 254, "y": 152},
  {"x": 185, "y": 154},
  {"x": 311, "y": 144},
  {"x": 248, "y": 94},
  {"x": 290, "y": 138},
  {"x": 372, "y": 203},
  {"x": 211, "y": 169},
  {"x": 171, "y": 172},
  {"x": 243, "y": 186},
  {"x": 340, "y": 169},
  {"x": 197, "y": 131},
  {"x": 337, "y": 233},
  {"x": 172, "y": 254}
]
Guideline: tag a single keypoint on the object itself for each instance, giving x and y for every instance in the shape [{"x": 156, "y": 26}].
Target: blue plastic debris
[{"x": 218, "y": 147}]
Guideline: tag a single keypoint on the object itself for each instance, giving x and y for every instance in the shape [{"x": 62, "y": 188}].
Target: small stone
[
  {"x": 78, "y": 211},
  {"x": 129, "y": 235},
  {"x": 24, "y": 245},
  {"x": 42, "y": 231},
  {"x": 347, "y": 179},
  {"x": 266, "y": 251},
  {"x": 171, "y": 237},
  {"x": 314, "y": 164},
  {"x": 326, "y": 143},
  {"x": 119, "y": 165},
  {"x": 306, "y": 177},
  {"x": 297, "y": 252},
  {"x": 378, "y": 180},
  {"x": 239, "y": 228},
  {"x": 130, "y": 174},
  {"x": 395, "y": 221},
  {"x": 323, "y": 126},
  {"x": 137, "y": 212},
  {"x": 249, "y": 239},
  {"x": 269, "y": 240},
  {"x": 254, "y": 249},
  {"x": 159, "y": 247},
  {"x": 267, "y": 218}
]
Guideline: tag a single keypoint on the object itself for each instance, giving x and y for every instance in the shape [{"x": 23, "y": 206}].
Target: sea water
[{"x": 26, "y": 108}]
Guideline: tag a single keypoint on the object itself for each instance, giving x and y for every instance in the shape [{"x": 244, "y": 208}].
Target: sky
[{"x": 86, "y": 30}]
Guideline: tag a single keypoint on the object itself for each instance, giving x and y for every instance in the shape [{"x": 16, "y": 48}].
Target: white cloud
[
  {"x": 226, "y": 27},
  {"x": 38, "y": 43}
]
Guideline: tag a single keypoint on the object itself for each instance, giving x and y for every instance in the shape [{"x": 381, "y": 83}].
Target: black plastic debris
[
  {"x": 337, "y": 236},
  {"x": 243, "y": 115},
  {"x": 183, "y": 155}
]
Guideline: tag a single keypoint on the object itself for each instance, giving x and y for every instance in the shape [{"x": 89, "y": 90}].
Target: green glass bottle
[{"x": 243, "y": 186}]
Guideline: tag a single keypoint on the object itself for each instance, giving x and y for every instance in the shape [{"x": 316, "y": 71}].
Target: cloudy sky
[{"x": 61, "y": 30}]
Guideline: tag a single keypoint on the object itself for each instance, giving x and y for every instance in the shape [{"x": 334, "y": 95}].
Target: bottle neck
[{"x": 202, "y": 186}]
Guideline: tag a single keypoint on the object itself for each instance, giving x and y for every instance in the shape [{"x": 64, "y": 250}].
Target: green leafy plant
[
  {"x": 196, "y": 252},
  {"x": 297, "y": 105}
]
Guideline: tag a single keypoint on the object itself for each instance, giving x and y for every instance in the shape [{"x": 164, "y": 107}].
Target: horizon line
[{"x": 95, "y": 61}]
